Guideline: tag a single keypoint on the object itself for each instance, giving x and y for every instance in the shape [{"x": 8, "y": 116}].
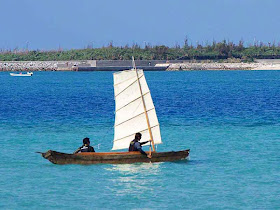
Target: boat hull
[
  {"x": 113, "y": 157},
  {"x": 21, "y": 75}
]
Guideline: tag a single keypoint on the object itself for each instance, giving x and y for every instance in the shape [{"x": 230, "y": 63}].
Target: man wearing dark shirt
[
  {"x": 85, "y": 147},
  {"x": 135, "y": 145}
]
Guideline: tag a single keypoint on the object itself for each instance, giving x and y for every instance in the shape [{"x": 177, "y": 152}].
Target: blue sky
[{"x": 49, "y": 24}]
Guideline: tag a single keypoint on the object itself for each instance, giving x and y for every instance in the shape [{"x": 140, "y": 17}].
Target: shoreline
[
  {"x": 152, "y": 65},
  {"x": 227, "y": 67}
]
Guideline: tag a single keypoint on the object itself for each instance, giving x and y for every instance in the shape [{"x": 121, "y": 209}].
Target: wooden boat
[
  {"x": 134, "y": 112},
  {"x": 113, "y": 157},
  {"x": 28, "y": 74}
]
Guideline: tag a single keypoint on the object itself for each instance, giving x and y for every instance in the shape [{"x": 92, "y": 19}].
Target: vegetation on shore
[{"x": 214, "y": 51}]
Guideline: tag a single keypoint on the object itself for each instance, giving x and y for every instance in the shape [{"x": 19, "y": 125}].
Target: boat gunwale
[{"x": 121, "y": 153}]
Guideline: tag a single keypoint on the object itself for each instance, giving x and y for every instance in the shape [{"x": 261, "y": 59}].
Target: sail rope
[{"x": 98, "y": 146}]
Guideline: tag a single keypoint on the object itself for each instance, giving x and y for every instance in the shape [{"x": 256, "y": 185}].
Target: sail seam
[
  {"x": 134, "y": 117},
  {"x": 138, "y": 131},
  {"x": 126, "y": 88},
  {"x": 128, "y": 79},
  {"x": 132, "y": 101}
]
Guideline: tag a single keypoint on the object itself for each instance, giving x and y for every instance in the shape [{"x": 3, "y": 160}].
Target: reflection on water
[
  {"x": 134, "y": 178},
  {"x": 150, "y": 168}
]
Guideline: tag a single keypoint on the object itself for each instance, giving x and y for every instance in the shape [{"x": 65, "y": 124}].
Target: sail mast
[{"x": 144, "y": 105}]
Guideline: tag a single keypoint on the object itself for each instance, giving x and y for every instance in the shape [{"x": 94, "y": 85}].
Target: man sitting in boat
[
  {"x": 135, "y": 145},
  {"x": 85, "y": 147}
]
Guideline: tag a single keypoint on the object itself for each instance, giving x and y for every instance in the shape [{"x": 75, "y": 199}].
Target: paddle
[{"x": 150, "y": 155}]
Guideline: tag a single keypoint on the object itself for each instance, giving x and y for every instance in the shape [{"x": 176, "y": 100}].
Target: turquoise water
[{"x": 229, "y": 119}]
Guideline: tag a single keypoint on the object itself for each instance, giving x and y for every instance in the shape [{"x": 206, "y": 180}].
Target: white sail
[{"x": 130, "y": 116}]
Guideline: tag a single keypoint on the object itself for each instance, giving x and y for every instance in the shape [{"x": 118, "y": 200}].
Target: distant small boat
[{"x": 28, "y": 74}]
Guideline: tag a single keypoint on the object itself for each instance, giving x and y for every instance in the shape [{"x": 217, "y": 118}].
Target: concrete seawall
[
  {"x": 147, "y": 65},
  {"x": 85, "y": 65}
]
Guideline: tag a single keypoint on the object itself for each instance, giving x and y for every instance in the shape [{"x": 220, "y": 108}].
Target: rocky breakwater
[
  {"x": 212, "y": 66},
  {"x": 258, "y": 64},
  {"x": 39, "y": 65}
]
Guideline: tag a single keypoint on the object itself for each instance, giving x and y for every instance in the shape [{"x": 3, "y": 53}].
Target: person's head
[
  {"x": 86, "y": 141},
  {"x": 138, "y": 136}
]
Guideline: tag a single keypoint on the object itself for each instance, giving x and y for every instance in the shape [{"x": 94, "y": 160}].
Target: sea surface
[{"x": 229, "y": 119}]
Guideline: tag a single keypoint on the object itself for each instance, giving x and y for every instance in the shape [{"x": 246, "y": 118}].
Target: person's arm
[
  {"x": 137, "y": 145},
  {"x": 141, "y": 143},
  {"x": 92, "y": 149},
  {"x": 77, "y": 151}
]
